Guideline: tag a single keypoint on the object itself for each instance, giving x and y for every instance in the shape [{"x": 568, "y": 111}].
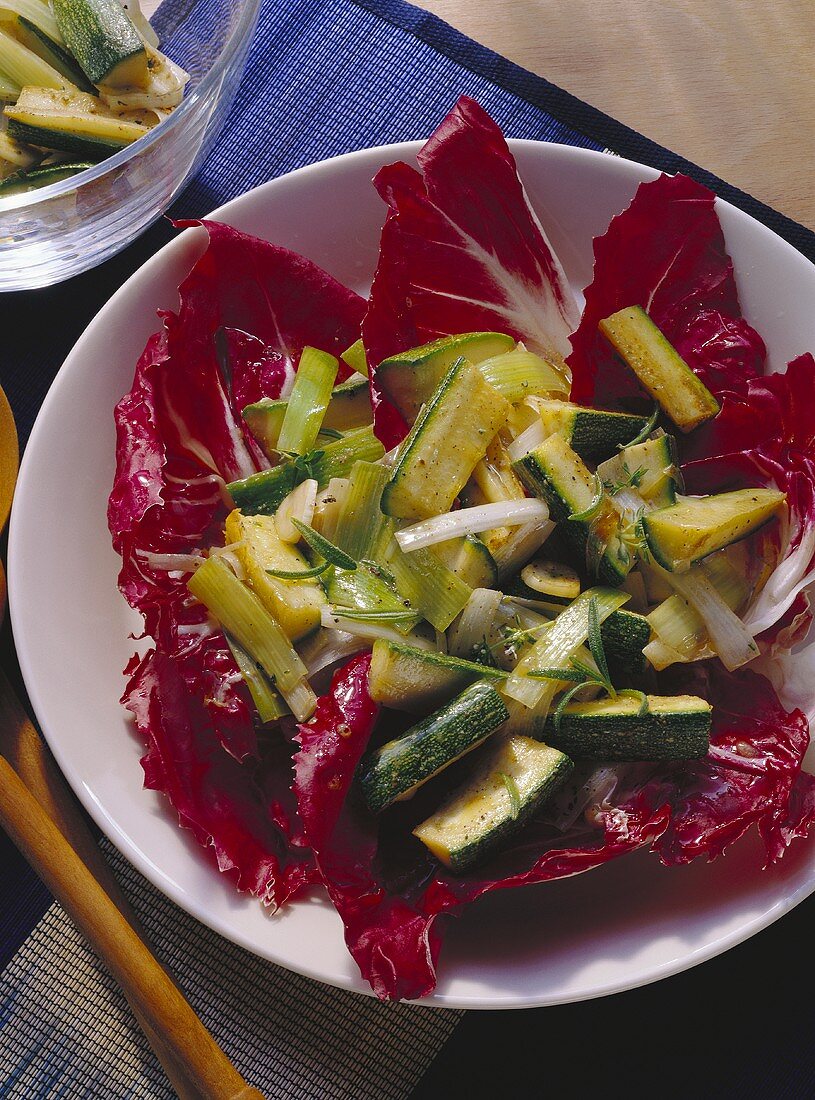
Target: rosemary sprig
[
  {"x": 513, "y": 792},
  {"x": 642, "y": 435},
  {"x": 298, "y": 574},
  {"x": 594, "y": 508},
  {"x": 320, "y": 545}
]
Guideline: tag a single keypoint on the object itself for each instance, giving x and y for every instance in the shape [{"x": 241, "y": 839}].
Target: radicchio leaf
[
  {"x": 666, "y": 253},
  {"x": 462, "y": 251},
  {"x": 247, "y": 310}
]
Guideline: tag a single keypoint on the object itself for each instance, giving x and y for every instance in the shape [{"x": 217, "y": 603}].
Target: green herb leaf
[
  {"x": 641, "y": 436},
  {"x": 330, "y": 433},
  {"x": 596, "y": 641},
  {"x": 513, "y": 792},
  {"x": 323, "y": 547},
  {"x": 635, "y": 693},
  {"x": 359, "y": 614},
  {"x": 298, "y": 574},
  {"x": 567, "y": 675},
  {"x": 565, "y": 699}
]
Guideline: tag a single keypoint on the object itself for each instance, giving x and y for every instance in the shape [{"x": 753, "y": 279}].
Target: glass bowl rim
[{"x": 239, "y": 34}]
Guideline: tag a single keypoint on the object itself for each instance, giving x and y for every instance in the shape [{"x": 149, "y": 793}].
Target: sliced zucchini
[
  {"x": 593, "y": 433},
  {"x": 649, "y": 467},
  {"x": 103, "y": 39},
  {"x": 551, "y": 578},
  {"x": 355, "y": 358},
  {"x": 450, "y": 435},
  {"x": 555, "y": 472},
  {"x": 672, "y": 728},
  {"x": 516, "y": 778},
  {"x": 410, "y": 378},
  {"x": 263, "y": 493},
  {"x": 72, "y": 121},
  {"x": 295, "y": 604},
  {"x": 660, "y": 368},
  {"x": 694, "y": 527},
  {"x": 625, "y": 634},
  {"x": 419, "y": 680},
  {"x": 470, "y": 560},
  {"x": 37, "y": 40},
  {"x": 30, "y": 180},
  {"x": 396, "y": 770},
  {"x": 35, "y": 11}
]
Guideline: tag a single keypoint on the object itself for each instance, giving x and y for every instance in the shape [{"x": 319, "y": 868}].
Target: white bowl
[{"x": 621, "y": 926}]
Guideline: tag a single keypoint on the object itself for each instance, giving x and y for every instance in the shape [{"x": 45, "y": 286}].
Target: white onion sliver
[
  {"x": 333, "y": 619},
  {"x": 527, "y": 441},
  {"x": 475, "y": 621},
  {"x": 470, "y": 521},
  {"x": 299, "y": 504},
  {"x": 327, "y": 647},
  {"x": 729, "y": 636}
]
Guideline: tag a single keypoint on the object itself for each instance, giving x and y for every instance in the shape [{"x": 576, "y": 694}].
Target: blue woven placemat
[{"x": 324, "y": 77}]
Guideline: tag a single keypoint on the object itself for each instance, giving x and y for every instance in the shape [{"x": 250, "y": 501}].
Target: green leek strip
[
  {"x": 241, "y": 613},
  {"x": 366, "y": 592},
  {"x": 360, "y": 519},
  {"x": 26, "y": 68},
  {"x": 430, "y": 586},
  {"x": 9, "y": 89},
  {"x": 354, "y": 357},
  {"x": 520, "y": 373},
  {"x": 35, "y": 11},
  {"x": 558, "y": 645},
  {"x": 308, "y": 401},
  {"x": 269, "y": 705},
  {"x": 263, "y": 493}
]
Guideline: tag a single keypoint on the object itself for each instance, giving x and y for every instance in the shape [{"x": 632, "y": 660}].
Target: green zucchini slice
[
  {"x": 516, "y": 778},
  {"x": 694, "y": 527},
  {"x": 649, "y": 467},
  {"x": 397, "y": 769},
  {"x": 671, "y": 728},
  {"x": 419, "y": 680},
  {"x": 660, "y": 368},
  {"x": 593, "y": 433},
  {"x": 102, "y": 38},
  {"x": 555, "y": 472},
  {"x": 409, "y": 379},
  {"x": 450, "y": 435}
]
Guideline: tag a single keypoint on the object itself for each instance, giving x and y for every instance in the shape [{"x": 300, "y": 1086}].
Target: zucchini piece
[
  {"x": 555, "y": 472},
  {"x": 420, "y": 680},
  {"x": 410, "y": 378},
  {"x": 450, "y": 435},
  {"x": 552, "y": 579},
  {"x": 470, "y": 560},
  {"x": 508, "y": 787},
  {"x": 35, "y": 11},
  {"x": 396, "y": 770},
  {"x": 102, "y": 38},
  {"x": 673, "y": 728},
  {"x": 34, "y": 178},
  {"x": 37, "y": 40},
  {"x": 694, "y": 527},
  {"x": 659, "y": 367},
  {"x": 649, "y": 467},
  {"x": 354, "y": 357},
  {"x": 349, "y": 407},
  {"x": 593, "y": 433},
  {"x": 625, "y": 634},
  {"x": 295, "y": 605},
  {"x": 263, "y": 493},
  {"x": 69, "y": 120}
]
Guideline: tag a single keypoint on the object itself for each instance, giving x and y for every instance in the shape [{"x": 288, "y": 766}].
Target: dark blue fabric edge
[{"x": 567, "y": 108}]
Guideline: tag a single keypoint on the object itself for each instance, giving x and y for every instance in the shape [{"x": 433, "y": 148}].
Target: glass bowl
[{"x": 49, "y": 235}]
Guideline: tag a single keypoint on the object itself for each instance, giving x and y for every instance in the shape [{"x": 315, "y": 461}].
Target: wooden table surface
[{"x": 728, "y": 84}]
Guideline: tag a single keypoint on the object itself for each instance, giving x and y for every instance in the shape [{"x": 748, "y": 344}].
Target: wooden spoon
[{"x": 43, "y": 819}]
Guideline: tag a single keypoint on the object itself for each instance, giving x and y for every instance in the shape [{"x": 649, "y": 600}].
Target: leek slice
[
  {"x": 27, "y": 68},
  {"x": 427, "y": 583},
  {"x": 11, "y": 11},
  {"x": 360, "y": 521},
  {"x": 568, "y": 632},
  {"x": 269, "y": 705},
  {"x": 241, "y": 614},
  {"x": 520, "y": 373},
  {"x": 355, "y": 358},
  {"x": 308, "y": 401}
]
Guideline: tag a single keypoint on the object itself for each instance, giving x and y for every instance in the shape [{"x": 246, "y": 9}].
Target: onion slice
[{"x": 470, "y": 521}]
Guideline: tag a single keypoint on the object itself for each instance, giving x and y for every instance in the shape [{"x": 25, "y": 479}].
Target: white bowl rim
[
  {"x": 499, "y": 999},
  {"x": 243, "y": 28}
]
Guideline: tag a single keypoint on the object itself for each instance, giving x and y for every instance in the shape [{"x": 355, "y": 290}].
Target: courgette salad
[
  {"x": 521, "y": 566},
  {"x": 81, "y": 79}
]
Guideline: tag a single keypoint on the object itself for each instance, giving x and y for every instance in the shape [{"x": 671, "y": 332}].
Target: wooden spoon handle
[{"x": 194, "y": 1063}]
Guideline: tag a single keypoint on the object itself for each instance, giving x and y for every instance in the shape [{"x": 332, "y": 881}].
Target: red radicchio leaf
[
  {"x": 462, "y": 251},
  {"x": 247, "y": 310},
  {"x": 389, "y": 898},
  {"x": 666, "y": 253},
  {"x": 214, "y": 795}
]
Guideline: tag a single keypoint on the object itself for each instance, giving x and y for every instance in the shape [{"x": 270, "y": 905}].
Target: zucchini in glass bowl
[{"x": 103, "y": 125}]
